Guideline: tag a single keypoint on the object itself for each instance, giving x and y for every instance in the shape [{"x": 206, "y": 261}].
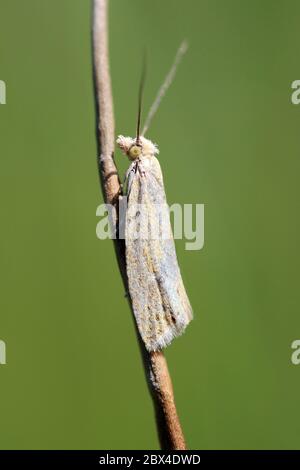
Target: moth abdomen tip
[{"x": 166, "y": 337}]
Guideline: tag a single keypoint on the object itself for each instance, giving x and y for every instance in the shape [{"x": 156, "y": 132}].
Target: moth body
[{"x": 160, "y": 304}]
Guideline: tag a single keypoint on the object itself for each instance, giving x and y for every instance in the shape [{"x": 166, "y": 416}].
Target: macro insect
[{"x": 160, "y": 304}]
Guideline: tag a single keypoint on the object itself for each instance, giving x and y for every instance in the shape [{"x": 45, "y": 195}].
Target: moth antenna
[
  {"x": 140, "y": 99},
  {"x": 164, "y": 87}
]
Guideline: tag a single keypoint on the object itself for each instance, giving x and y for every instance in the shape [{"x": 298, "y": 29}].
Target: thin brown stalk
[{"x": 155, "y": 364}]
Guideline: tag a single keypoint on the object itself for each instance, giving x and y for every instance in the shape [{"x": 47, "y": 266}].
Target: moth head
[{"x": 136, "y": 149}]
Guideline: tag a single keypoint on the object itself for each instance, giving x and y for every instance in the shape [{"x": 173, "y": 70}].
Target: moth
[{"x": 160, "y": 303}]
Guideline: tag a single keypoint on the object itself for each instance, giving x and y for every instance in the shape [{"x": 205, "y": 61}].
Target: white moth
[{"x": 160, "y": 304}]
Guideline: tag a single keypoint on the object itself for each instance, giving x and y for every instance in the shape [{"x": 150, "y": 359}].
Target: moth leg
[
  {"x": 142, "y": 172},
  {"x": 141, "y": 168},
  {"x": 129, "y": 180}
]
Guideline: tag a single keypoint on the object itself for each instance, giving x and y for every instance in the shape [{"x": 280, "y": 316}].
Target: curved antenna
[
  {"x": 164, "y": 87},
  {"x": 140, "y": 99}
]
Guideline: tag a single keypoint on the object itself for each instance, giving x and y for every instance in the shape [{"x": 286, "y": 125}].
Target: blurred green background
[{"x": 229, "y": 138}]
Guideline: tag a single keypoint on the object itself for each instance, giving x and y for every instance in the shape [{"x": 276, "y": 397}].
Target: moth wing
[{"x": 160, "y": 303}]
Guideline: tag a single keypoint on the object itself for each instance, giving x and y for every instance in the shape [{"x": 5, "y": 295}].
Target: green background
[{"x": 229, "y": 138}]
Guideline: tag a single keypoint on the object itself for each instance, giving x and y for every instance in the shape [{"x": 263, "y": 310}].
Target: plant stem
[{"x": 155, "y": 365}]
